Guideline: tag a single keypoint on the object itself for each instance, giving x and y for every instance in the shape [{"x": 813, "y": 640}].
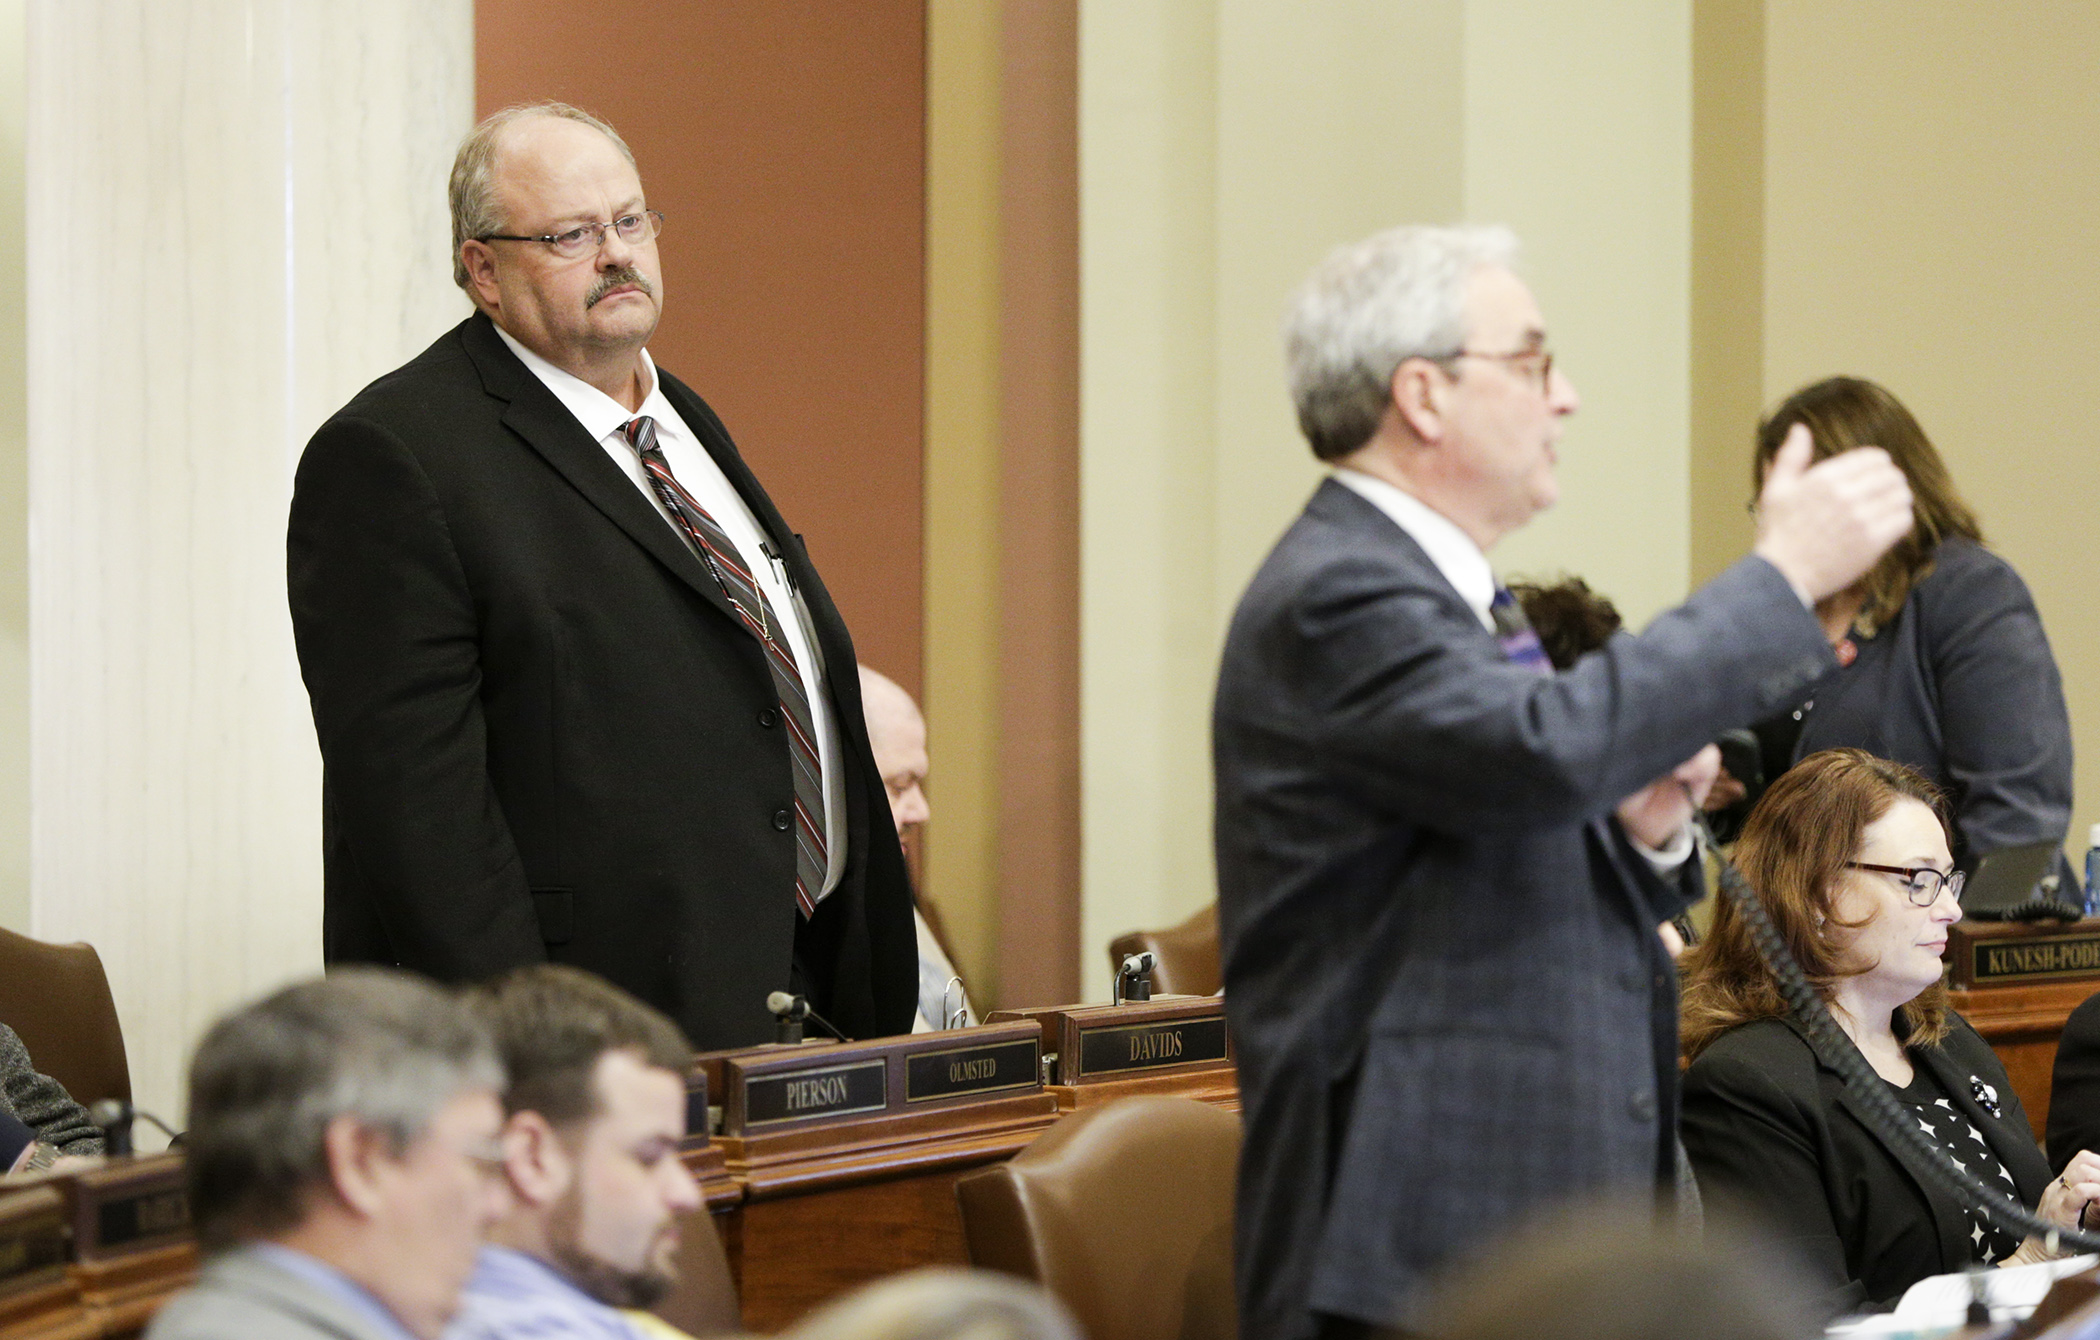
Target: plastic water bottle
[{"x": 2092, "y": 872}]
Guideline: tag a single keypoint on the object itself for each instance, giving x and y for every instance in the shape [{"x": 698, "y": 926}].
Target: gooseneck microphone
[
  {"x": 1134, "y": 978},
  {"x": 115, "y": 1117},
  {"x": 789, "y": 1013}
]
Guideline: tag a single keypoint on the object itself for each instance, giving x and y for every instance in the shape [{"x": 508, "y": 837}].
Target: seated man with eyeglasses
[
  {"x": 342, "y": 1156},
  {"x": 580, "y": 694},
  {"x": 1849, "y": 855}
]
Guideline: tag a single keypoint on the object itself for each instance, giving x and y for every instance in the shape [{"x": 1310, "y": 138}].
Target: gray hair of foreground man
[
  {"x": 383, "y": 1047},
  {"x": 472, "y": 191},
  {"x": 941, "y": 1303},
  {"x": 551, "y": 1023},
  {"x": 1368, "y": 308}
]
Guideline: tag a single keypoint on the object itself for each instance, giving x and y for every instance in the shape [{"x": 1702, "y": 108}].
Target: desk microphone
[
  {"x": 115, "y": 1116},
  {"x": 790, "y": 1011},
  {"x": 1137, "y": 973}
]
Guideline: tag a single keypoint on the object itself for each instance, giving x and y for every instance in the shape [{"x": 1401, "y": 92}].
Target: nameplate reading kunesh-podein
[
  {"x": 2012, "y": 953},
  {"x": 129, "y": 1205},
  {"x": 770, "y": 1088}
]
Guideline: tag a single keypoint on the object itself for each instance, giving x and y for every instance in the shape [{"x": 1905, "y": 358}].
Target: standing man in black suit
[
  {"x": 580, "y": 694},
  {"x": 1441, "y": 961}
]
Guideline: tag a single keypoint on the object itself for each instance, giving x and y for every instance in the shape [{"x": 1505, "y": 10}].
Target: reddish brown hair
[
  {"x": 1793, "y": 853},
  {"x": 1847, "y": 412}
]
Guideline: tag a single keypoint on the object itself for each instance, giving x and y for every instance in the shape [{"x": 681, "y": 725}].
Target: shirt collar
[
  {"x": 599, "y": 413},
  {"x": 335, "y": 1283},
  {"x": 1449, "y": 548}
]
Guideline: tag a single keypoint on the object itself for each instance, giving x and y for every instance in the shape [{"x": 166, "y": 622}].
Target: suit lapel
[
  {"x": 1950, "y": 1225},
  {"x": 1959, "y": 1081},
  {"x": 548, "y": 428}
]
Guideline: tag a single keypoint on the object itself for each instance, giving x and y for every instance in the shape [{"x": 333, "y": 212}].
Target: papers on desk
[{"x": 1940, "y": 1304}]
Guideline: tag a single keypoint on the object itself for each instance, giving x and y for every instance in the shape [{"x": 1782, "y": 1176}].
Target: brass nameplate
[
  {"x": 1105, "y": 1051},
  {"x": 958, "y": 1071},
  {"x": 32, "y": 1240},
  {"x": 819, "y": 1091},
  {"x": 2031, "y": 960},
  {"x": 130, "y": 1221}
]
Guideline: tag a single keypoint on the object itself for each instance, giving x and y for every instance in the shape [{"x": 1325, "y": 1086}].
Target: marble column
[{"x": 236, "y": 218}]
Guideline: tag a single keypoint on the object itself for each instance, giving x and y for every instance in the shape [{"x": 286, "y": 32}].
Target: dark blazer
[
  {"x": 1441, "y": 965},
  {"x": 1962, "y": 686},
  {"x": 2074, "y": 1086},
  {"x": 1772, "y": 1128},
  {"x": 546, "y": 735}
]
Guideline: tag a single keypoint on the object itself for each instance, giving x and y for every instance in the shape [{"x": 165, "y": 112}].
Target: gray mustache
[{"x": 617, "y": 279}]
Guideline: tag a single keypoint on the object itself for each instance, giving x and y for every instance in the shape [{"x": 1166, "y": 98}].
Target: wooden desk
[
  {"x": 854, "y": 1179},
  {"x": 2003, "y": 980},
  {"x": 39, "y": 1300}
]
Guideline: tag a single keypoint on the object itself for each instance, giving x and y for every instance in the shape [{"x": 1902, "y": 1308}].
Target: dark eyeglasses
[
  {"x": 1535, "y": 364},
  {"x": 1921, "y": 882}
]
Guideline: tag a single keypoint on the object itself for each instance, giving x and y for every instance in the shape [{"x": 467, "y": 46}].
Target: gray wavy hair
[
  {"x": 472, "y": 190},
  {"x": 1371, "y": 306},
  {"x": 380, "y": 1046}
]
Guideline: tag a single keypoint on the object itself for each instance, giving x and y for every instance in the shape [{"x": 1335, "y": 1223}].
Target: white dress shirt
[
  {"x": 603, "y": 418},
  {"x": 1466, "y": 568}
]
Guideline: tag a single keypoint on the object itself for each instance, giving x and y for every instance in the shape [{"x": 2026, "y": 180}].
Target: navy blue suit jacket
[{"x": 1441, "y": 964}]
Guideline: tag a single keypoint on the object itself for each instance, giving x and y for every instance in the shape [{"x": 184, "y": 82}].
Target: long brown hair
[
  {"x": 1793, "y": 853},
  {"x": 1847, "y": 412}
]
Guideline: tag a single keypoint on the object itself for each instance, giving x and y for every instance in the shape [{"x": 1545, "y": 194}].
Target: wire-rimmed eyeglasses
[{"x": 586, "y": 238}]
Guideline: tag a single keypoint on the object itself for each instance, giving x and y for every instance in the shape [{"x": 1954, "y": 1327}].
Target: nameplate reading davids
[
  {"x": 1145, "y": 1046},
  {"x": 2036, "y": 960},
  {"x": 821, "y": 1091},
  {"x": 131, "y": 1220},
  {"x": 967, "y": 1070}
]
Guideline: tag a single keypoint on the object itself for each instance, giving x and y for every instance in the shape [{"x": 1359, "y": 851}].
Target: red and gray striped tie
[{"x": 714, "y": 548}]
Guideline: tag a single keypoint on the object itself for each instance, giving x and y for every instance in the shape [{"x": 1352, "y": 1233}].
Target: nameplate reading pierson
[
  {"x": 1104, "y": 1051},
  {"x": 820, "y": 1091},
  {"x": 2026, "y": 960},
  {"x": 959, "y": 1071}
]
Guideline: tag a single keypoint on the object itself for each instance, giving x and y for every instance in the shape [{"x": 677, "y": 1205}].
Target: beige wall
[
  {"x": 959, "y": 847},
  {"x": 1932, "y": 175},
  {"x": 1226, "y": 145},
  {"x": 14, "y": 483}
]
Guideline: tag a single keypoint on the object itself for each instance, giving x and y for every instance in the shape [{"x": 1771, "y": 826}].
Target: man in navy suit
[
  {"x": 580, "y": 694},
  {"x": 1450, "y": 1002}
]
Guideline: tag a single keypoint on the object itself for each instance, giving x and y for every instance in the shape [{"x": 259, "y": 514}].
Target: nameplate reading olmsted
[
  {"x": 820, "y": 1091},
  {"x": 2036, "y": 960},
  {"x": 1145, "y": 1046},
  {"x": 966, "y": 1070},
  {"x": 127, "y": 1220}
]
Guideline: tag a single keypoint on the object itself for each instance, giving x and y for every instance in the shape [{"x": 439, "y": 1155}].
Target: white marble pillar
[{"x": 236, "y": 218}]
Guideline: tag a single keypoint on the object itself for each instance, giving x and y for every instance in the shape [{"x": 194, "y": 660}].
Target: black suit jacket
[
  {"x": 1773, "y": 1129},
  {"x": 1441, "y": 966},
  {"x": 2074, "y": 1086},
  {"x": 546, "y": 735}
]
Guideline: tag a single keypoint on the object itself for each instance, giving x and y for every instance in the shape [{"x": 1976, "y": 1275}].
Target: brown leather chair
[
  {"x": 56, "y": 998},
  {"x": 1187, "y": 954},
  {"x": 1124, "y": 1212},
  {"x": 704, "y": 1300}
]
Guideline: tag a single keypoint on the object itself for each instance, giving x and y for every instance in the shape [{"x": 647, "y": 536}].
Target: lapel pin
[{"x": 1986, "y": 1097}]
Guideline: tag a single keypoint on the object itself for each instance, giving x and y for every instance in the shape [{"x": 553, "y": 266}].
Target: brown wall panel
[
  {"x": 784, "y": 140},
  {"x": 1039, "y": 505}
]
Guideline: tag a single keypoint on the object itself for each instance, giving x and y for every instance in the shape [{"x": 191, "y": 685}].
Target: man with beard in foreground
[{"x": 593, "y": 1117}]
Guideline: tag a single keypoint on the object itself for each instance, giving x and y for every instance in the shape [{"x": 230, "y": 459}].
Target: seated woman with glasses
[{"x": 1849, "y": 855}]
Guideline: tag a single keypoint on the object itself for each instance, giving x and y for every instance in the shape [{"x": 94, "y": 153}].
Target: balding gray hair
[
  {"x": 1368, "y": 308},
  {"x": 473, "y": 187},
  {"x": 385, "y": 1048}
]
